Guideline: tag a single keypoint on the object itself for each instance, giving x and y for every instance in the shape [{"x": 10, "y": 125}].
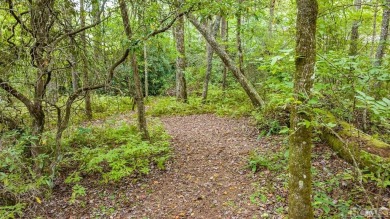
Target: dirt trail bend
[{"x": 207, "y": 178}]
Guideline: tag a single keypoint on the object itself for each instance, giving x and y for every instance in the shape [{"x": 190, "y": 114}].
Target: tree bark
[
  {"x": 271, "y": 17},
  {"x": 218, "y": 49},
  {"x": 380, "y": 52},
  {"x": 238, "y": 38},
  {"x": 355, "y": 31},
  {"x": 214, "y": 26},
  {"x": 224, "y": 36},
  {"x": 41, "y": 57},
  {"x": 299, "y": 200},
  {"x": 137, "y": 81},
  {"x": 374, "y": 29},
  {"x": 181, "y": 86},
  {"x": 146, "y": 71},
  {"x": 88, "y": 108},
  {"x": 73, "y": 64}
]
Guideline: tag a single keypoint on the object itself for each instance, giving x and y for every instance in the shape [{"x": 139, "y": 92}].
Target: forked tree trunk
[
  {"x": 88, "y": 108},
  {"x": 181, "y": 86},
  {"x": 380, "y": 52},
  {"x": 299, "y": 164},
  {"x": 137, "y": 81},
  {"x": 218, "y": 49}
]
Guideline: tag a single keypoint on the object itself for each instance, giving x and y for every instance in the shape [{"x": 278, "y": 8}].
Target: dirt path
[{"x": 207, "y": 178}]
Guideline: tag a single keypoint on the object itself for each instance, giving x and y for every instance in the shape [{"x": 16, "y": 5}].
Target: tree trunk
[
  {"x": 299, "y": 200},
  {"x": 271, "y": 17},
  {"x": 181, "y": 86},
  {"x": 88, "y": 108},
  {"x": 73, "y": 64},
  {"x": 238, "y": 38},
  {"x": 380, "y": 52},
  {"x": 224, "y": 36},
  {"x": 209, "y": 50},
  {"x": 146, "y": 71},
  {"x": 355, "y": 31},
  {"x": 137, "y": 81},
  {"x": 355, "y": 146},
  {"x": 374, "y": 29},
  {"x": 218, "y": 49},
  {"x": 41, "y": 57}
]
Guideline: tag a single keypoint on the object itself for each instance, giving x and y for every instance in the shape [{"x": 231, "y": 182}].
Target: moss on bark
[{"x": 352, "y": 144}]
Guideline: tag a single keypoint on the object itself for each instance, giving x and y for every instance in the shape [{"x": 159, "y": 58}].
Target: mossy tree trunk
[
  {"x": 181, "y": 87},
  {"x": 224, "y": 36},
  {"x": 299, "y": 200},
  {"x": 353, "y": 145}
]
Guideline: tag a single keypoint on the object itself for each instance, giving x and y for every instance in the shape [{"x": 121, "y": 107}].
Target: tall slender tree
[
  {"x": 181, "y": 86},
  {"x": 137, "y": 80},
  {"x": 299, "y": 165},
  {"x": 225, "y": 37},
  {"x": 353, "y": 49},
  {"x": 88, "y": 107},
  {"x": 380, "y": 52},
  {"x": 214, "y": 26},
  {"x": 240, "y": 53}
]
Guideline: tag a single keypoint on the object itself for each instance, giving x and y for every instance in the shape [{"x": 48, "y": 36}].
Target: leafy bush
[
  {"x": 19, "y": 183},
  {"x": 116, "y": 151}
]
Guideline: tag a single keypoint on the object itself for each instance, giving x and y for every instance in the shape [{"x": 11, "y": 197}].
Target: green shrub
[{"x": 117, "y": 151}]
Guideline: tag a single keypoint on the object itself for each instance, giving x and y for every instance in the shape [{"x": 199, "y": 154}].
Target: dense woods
[{"x": 84, "y": 84}]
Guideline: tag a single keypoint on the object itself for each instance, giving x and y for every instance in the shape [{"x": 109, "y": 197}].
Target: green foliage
[
  {"x": 12, "y": 211},
  {"x": 116, "y": 151},
  {"x": 232, "y": 103},
  {"x": 19, "y": 183},
  {"x": 275, "y": 162}
]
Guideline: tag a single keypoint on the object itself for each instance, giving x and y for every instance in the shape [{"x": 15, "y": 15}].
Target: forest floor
[{"x": 206, "y": 178}]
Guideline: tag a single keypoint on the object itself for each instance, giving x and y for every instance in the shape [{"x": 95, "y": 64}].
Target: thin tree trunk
[
  {"x": 380, "y": 52},
  {"x": 73, "y": 64},
  {"x": 224, "y": 36},
  {"x": 271, "y": 17},
  {"x": 218, "y": 49},
  {"x": 88, "y": 108},
  {"x": 181, "y": 86},
  {"x": 146, "y": 71},
  {"x": 299, "y": 200},
  {"x": 209, "y": 50},
  {"x": 374, "y": 29},
  {"x": 355, "y": 31},
  {"x": 238, "y": 37},
  {"x": 137, "y": 81}
]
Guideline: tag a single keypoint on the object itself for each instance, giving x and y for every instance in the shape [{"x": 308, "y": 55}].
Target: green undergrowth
[
  {"x": 103, "y": 153},
  {"x": 232, "y": 103},
  {"x": 337, "y": 192},
  {"x": 116, "y": 150}
]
